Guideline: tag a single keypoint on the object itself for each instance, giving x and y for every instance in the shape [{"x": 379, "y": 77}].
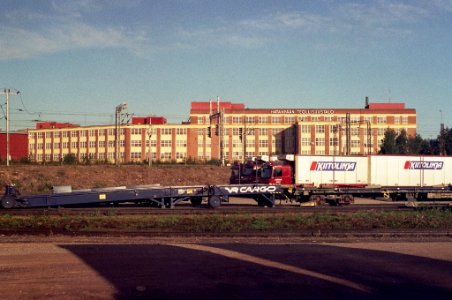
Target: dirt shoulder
[{"x": 36, "y": 179}]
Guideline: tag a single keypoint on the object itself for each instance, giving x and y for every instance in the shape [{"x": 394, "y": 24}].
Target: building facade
[
  {"x": 17, "y": 145},
  {"x": 227, "y": 131}
]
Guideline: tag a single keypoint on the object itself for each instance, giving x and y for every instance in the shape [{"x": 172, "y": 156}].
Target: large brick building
[{"x": 235, "y": 132}]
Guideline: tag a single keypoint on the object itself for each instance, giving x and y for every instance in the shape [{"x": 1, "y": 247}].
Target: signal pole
[{"x": 7, "y": 93}]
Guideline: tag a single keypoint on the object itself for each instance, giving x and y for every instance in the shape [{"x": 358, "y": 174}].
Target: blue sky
[{"x": 76, "y": 60}]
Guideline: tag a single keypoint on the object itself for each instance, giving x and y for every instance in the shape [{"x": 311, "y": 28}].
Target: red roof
[
  {"x": 52, "y": 125},
  {"x": 223, "y": 105},
  {"x": 386, "y": 105},
  {"x": 148, "y": 120}
]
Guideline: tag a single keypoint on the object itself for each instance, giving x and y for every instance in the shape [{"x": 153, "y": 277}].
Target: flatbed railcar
[
  {"x": 338, "y": 179},
  {"x": 159, "y": 196}
]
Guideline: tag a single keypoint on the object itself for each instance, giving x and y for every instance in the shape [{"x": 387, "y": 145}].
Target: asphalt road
[{"x": 180, "y": 268}]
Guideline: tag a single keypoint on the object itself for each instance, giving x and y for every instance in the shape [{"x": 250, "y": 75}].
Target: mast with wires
[{"x": 7, "y": 93}]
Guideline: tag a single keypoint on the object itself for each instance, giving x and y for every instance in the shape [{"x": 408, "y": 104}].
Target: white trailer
[
  {"x": 414, "y": 171},
  {"x": 328, "y": 170}
]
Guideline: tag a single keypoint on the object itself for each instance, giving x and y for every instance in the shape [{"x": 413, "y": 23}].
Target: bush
[{"x": 70, "y": 159}]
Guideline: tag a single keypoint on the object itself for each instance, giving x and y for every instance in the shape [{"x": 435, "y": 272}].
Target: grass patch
[{"x": 234, "y": 223}]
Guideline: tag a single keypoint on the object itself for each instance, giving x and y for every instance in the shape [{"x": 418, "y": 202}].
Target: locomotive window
[{"x": 277, "y": 172}]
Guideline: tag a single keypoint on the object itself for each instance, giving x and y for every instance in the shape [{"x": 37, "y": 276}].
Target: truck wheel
[
  {"x": 8, "y": 202},
  {"x": 196, "y": 201},
  {"x": 214, "y": 201}
]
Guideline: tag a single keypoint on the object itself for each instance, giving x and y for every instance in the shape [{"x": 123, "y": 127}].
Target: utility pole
[
  {"x": 7, "y": 93},
  {"x": 118, "y": 121},
  {"x": 219, "y": 129},
  {"x": 150, "y": 150},
  {"x": 347, "y": 134},
  {"x": 442, "y": 137}
]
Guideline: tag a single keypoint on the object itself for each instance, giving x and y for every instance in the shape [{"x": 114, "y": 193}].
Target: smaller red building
[{"x": 18, "y": 145}]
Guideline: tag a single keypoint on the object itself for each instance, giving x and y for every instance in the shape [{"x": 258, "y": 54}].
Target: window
[
  {"x": 302, "y": 118},
  {"x": 276, "y": 120},
  {"x": 56, "y": 134},
  {"x": 355, "y": 143},
  {"x": 320, "y": 128},
  {"x": 305, "y": 128},
  {"x": 74, "y": 133},
  {"x": 289, "y": 120},
  {"x": 135, "y": 143},
  {"x": 101, "y": 144},
  {"x": 320, "y": 141},
  {"x": 381, "y": 120},
  {"x": 236, "y": 120},
  {"x": 249, "y": 120},
  {"x": 136, "y": 131},
  {"x": 135, "y": 155},
  {"x": 181, "y": 131},
  {"x": 92, "y": 132},
  {"x": 334, "y": 141},
  {"x": 262, "y": 120},
  {"x": 165, "y": 143},
  {"x": 305, "y": 141},
  {"x": 40, "y": 135},
  {"x": 404, "y": 119},
  {"x": 92, "y": 144},
  {"x": 82, "y": 133},
  {"x": 165, "y": 155},
  {"x": 166, "y": 131},
  {"x": 181, "y": 143},
  {"x": 180, "y": 155},
  {"x": 315, "y": 119},
  {"x": 262, "y": 131},
  {"x": 263, "y": 143},
  {"x": 201, "y": 120}
]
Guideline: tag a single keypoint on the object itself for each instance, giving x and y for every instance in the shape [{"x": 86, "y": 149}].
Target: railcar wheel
[
  {"x": 8, "y": 202},
  {"x": 196, "y": 201},
  {"x": 214, "y": 201}
]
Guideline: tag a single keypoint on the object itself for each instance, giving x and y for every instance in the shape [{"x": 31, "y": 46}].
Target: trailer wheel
[
  {"x": 214, "y": 201},
  {"x": 347, "y": 199},
  {"x": 196, "y": 201},
  {"x": 317, "y": 199},
  {"x": 8, "y": 202}
]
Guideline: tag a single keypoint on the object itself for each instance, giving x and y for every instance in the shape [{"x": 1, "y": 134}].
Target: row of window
[
  {"x": 293, "y": 119},
  {"x": 110, "y": 132}
]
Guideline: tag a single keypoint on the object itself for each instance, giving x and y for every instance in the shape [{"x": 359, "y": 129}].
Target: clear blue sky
[{"x": 76, "y": 60}]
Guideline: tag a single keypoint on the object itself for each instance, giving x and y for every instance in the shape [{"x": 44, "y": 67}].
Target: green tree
[
  {"x": 415, "y": 144},
  {"x": 388, "y": 144},
  {"x": 401, "y": 142},
  {"x": 448, "y": 141}
]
